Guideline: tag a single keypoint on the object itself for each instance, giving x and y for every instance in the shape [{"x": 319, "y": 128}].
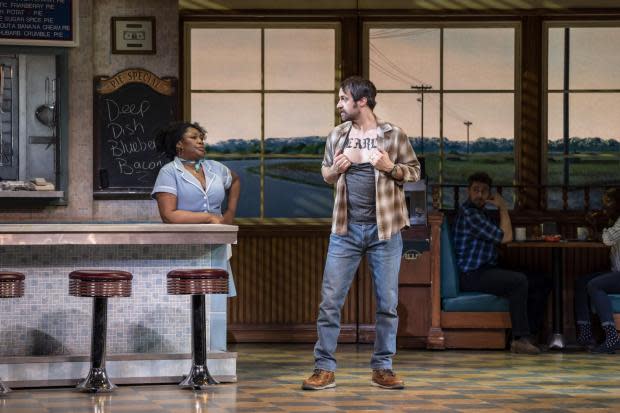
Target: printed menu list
[{"x": 36, "y": 20}]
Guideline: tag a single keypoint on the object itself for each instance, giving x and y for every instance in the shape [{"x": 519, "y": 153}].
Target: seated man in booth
[{"x": 476, "y": 238}]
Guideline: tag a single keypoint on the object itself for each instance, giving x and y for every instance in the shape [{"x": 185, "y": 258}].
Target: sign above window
[{"x": 39, "y": 22}]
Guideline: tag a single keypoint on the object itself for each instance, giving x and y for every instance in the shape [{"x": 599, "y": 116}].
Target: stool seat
[
  {"x": 198, "y": 281},
  {"x": 11, "y": 276},
  {"x": 11, "y": 284},
  {"x": 200, "y": 273},
  {"x": 100, "y": 275},
  {"x": 100, "y": 283}
]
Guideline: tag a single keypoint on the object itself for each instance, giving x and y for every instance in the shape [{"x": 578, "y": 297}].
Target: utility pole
[
  {"x": 421, "y": 88},
  {"x": 421, "y": 100},
  {"x": 468, "y": 124}
]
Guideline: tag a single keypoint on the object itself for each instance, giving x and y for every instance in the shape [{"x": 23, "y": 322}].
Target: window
[
  {"x": 583, "y": 130},
  {"x": 266, "y": 95},
  {"x": 453, "y": 90}
]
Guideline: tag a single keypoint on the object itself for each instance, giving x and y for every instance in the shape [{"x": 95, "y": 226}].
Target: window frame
[
  {"x": 546, "y": 26},
  {"x": 189, "y": 25},
  {"x": 433, "y": 24}
]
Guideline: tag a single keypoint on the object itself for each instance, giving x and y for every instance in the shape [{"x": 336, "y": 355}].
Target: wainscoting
[{"x": 278, "y": 271}]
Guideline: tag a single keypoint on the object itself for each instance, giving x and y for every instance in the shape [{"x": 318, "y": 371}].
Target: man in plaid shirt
[
  {"x": 476, "y": 238},
  {"x": 368, "y": 161}
]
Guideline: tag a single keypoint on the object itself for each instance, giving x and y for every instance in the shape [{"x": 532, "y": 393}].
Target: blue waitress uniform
[{"x": 174, "y": 179}]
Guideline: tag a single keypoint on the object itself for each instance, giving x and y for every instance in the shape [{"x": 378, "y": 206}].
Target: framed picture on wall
[{"x": 133, "y": 35}]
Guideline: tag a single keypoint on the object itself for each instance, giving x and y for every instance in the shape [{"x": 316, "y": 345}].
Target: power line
[
  {"x": 405, "y": 78},
  {"x": 388, "y": 73},
  {"x": 394, "y": 65},
  {"x": 399, "y": 33}
]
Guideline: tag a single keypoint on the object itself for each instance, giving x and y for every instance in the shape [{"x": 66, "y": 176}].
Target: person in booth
[
  {"x": 594, "y": 288},
  {"x": 476, "y": 238},
  {"x": 191, "y": 189},
  {"x": 367, "y": 160}
]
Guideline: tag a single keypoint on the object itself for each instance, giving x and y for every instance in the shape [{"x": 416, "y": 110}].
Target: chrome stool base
[
  {"x": 4, "y": 389},
  {"x": 197, "y": 283},
  {"x": 97, "y": 381},
  {"x": 198, "y": 378}
]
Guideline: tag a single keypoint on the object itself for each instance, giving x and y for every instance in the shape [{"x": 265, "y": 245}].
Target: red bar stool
[
  {"x": 197, "y": 283},
  {"x": 11, "y": 286},
  {"x": 99, "y": 284}
]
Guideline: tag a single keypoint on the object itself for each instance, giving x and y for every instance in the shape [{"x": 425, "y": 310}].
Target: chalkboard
[
  {"x": 128, "y": 109},
  {"x": 39, "y": 22}
]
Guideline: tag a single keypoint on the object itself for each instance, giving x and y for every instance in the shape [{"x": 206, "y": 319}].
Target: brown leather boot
[
  {"x": 386, "y": 379},
  {"x": 320, "y": 379}
]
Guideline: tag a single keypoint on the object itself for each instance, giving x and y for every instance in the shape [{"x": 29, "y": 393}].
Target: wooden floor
[{"x": 450, "y": 381}]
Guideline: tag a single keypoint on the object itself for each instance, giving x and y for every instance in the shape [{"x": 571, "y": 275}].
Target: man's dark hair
[
  {"x": 359, "y": 88},
  {"x": 167, "y": 137},
  {"x": 482, "y": 177}
]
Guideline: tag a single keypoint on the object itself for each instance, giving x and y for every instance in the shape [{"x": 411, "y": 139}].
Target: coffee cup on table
[
  {"x": 582, "y": 233},
  {"x": 520, "y": 234}
]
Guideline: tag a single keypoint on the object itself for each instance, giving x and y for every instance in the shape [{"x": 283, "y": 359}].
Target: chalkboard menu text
[{"x": 129, "y": 108}]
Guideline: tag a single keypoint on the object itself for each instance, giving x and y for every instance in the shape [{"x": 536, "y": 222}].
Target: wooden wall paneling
[
  {"x": 366, "y": 304},
  {"x": 279, "y": 272},
  {"x": 417, "y": 271},
  {"x": 414, "y": 304},
  {"x": 473, "y": 339}
]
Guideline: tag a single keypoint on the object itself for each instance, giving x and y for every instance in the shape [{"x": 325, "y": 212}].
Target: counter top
[{"x": 116, "y": 233}]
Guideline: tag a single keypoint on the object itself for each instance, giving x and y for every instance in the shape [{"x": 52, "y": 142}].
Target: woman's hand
[
  {"x": 228, "y": 217},
  {"x": 216, "y": 219}
]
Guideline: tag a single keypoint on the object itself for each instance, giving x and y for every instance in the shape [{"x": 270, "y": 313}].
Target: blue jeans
[
  {"x": 596, "y": 287},
  {"x": 343, "y": 258}
]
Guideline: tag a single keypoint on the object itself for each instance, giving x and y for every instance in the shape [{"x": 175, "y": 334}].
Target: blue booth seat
[
  {"x": 453, "y": 300},
  {"x": 615, "y": 302}
]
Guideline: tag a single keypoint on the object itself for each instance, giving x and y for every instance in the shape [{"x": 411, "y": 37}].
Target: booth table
[{"x": 557, "y": 264}]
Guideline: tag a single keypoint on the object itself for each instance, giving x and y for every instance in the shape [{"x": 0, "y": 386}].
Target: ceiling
[{"x": 428, "y": 5}]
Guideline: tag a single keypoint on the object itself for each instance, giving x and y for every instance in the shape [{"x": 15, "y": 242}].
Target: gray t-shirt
[{"x": 361, "y": 203}]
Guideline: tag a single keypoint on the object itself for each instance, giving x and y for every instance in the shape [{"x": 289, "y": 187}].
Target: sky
[{"x": 474, "y": 59}]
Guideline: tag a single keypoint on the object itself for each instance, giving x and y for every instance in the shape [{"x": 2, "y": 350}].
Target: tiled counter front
[{"x": 51, "y": 325}]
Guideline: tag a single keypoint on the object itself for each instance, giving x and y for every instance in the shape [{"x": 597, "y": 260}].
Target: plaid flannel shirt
[
  {"x": 392, "y": 213},
  {"x": 476, "y": 238}
]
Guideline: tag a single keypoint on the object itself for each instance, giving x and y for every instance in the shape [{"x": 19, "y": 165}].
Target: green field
[
  {"x": 585, "y": 168},
  {"x": 594, "y": 169}
]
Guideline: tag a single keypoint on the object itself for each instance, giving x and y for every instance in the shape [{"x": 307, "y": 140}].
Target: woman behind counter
[{"x": 191, "y": 189}]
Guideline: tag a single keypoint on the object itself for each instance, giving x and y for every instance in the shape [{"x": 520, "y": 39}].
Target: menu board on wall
[
  {"x": 129, "y": 108},
  {"x": 39, "y": 22}
]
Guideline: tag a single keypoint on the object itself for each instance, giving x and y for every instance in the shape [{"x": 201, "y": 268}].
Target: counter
[{"x": 45, "y": 335}]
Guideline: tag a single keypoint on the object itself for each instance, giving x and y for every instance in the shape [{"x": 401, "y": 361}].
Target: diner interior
[{"x": 523, "y": 90}]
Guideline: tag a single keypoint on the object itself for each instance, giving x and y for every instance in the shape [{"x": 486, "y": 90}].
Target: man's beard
[{"x": 347, "y": 116}]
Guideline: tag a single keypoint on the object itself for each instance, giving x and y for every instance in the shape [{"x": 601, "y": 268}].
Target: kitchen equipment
[{"x": 46, "y": 113}]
